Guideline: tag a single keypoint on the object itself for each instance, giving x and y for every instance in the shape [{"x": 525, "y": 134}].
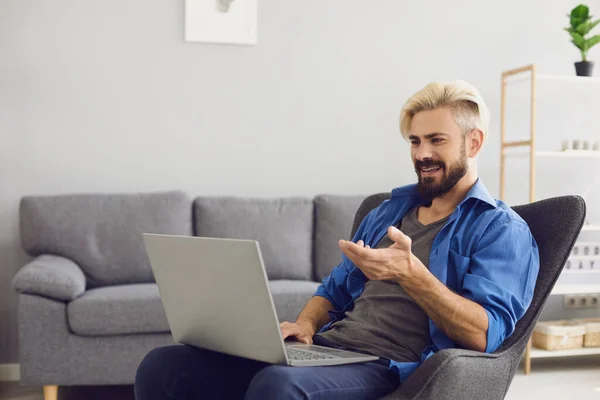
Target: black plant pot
[{"x": 584, "y": 68}]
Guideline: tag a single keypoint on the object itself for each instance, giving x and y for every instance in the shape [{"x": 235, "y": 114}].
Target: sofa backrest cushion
[
  {"x": 333, "y": 221},
  {"x": 282, "y": 227},
  {"x": 102, "y": 233}
]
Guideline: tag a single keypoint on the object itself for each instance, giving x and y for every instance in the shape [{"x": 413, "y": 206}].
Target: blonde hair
[{"x": 470, "y": 112}]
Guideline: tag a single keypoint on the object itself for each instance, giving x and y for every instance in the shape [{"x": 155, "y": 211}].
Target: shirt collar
[{"x": 478, "y": 191}]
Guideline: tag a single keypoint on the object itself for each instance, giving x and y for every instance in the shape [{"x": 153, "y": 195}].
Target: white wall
[{"x": 105, "y": 96}]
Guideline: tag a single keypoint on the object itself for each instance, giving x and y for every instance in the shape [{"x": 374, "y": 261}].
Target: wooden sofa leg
[{"x": 50, "y": 392}]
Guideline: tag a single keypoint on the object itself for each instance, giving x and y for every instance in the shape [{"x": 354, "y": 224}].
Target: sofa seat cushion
[
  {"x": 290, "y": 297},
  {"x": 118, "y": 310},
  {"x": 131, "y": 309}
]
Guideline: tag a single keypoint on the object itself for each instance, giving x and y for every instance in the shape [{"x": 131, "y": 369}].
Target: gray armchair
[{"x": 463, "y": 374}]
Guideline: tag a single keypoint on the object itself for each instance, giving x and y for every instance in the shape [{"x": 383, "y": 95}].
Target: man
[{"x": 440, "y": 264}]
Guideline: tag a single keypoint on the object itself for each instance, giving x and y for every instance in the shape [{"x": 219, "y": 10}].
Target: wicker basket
[
  {"x": 558, "y": 335},
  {"x": 592, "y": 331}
]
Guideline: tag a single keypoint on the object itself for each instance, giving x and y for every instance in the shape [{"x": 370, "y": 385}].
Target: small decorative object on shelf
[
  {"x": 592, "y": 331},
  {"x": 585, "y": 256},
  {"x": 567, "y": 334},
  {"x": 580, "y": 26},
  {"x": 577, "y": 144},
  {"x": 223, "y": 5},
  {"x": 558, "y": 335}
]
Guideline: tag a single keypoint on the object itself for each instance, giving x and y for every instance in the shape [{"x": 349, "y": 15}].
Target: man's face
[{"x": 438, "y": 151}]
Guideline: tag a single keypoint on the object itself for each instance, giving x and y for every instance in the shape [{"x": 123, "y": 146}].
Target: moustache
[{"x": 429, "y": 164}]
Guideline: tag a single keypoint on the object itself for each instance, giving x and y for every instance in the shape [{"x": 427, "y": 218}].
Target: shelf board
[
  {"x": 569, "y": 153},
  {"x": 575, "y": 289},
  {"x": 557, "y": 153},
  {"x": 581, "y": 271},
  {"x": 540, "y": 353},
  {"x": 584, "y": 258},
  {"x": 590, "y": 228},
  {"x": 554, "y": 78}
]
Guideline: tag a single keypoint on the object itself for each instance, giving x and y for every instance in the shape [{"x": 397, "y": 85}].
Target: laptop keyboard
[{"x": 294, "y": 354}]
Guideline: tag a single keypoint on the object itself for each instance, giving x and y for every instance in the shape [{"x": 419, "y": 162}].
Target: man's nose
[{"x": 423, "y": 152}]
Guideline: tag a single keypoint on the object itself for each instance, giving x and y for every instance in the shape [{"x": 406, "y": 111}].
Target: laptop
[{"x": 216, "y": 296}]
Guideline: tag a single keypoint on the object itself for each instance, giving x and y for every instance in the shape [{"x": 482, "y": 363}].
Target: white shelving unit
[
  {"x": 575, "y": 289},
  {"x": 559, "y": 154},
  {"x": 581, "y": 271},
  {"x": 562, "y": 290},
  {"x": 518, "y": 76},
  {"x": 527, "y": 148},
  {"x": 586, "y": 351}
]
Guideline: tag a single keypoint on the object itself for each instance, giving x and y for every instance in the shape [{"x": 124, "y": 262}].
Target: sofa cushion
[
  {"x": 290, "y": 297},
  {"x": 334, "y": 216},
  {"x": 118, "y": 310},
  {"x": 132, "y": 309},
  {"x": 103, "y": 233},
  {"x": 50, "y": 276},
  {"x": 283, "y": 228}
]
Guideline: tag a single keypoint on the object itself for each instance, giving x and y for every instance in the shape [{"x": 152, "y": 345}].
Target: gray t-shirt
[{"x": 385, "y": 321}]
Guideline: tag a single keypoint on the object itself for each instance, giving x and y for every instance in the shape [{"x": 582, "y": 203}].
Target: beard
[{"x": 427, "y": 187}]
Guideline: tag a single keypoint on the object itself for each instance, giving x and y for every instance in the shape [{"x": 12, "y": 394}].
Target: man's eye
[
  {"x": 436, "y": 140},
  {"x": 414, "y": 142}
]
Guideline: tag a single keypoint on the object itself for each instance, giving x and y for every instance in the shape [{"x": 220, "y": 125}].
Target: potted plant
[{"x": 580, "y": 27}]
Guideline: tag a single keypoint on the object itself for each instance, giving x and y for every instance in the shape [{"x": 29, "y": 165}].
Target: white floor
[
  {"x": 576, "y": 378},
  {"x": 572, "y": 378}
]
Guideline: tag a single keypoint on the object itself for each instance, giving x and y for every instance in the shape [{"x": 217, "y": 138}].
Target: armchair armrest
[
  {"x": 51, "y": 276},
  {"x": 451, "y": 374}
]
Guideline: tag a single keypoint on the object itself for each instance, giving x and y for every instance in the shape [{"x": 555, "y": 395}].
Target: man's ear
[{"x": 474, "y": 142}]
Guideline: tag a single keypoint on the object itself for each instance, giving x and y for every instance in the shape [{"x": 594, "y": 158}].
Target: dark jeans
[{"x": 184, "y": 372}]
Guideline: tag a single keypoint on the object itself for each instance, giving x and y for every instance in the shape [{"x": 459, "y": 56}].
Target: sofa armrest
[
  {"x": 51, "y": 276},
  {"x": 457, "y": 374}
]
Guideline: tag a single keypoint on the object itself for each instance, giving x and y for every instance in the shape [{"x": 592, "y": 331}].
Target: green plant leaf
[
  {"x": 578, "y": 40},
  {"x": 576, "y": 22},
  {"x": 580, "y": 12},
  {"x": 583, "y": 28},
  {"x": 591, "y": 42},
  {"x": 586, "y": 27},
  {"x": 579, "y": 15}
]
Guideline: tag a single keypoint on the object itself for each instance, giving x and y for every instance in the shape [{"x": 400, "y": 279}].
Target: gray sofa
[{"x": 89, "y": 309}]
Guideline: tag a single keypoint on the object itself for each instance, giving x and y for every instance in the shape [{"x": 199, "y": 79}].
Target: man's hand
[
  {"x": 302, "y": 332},
  {"x": 463, "y": 320},
  {"x": 393, "y": 263}
]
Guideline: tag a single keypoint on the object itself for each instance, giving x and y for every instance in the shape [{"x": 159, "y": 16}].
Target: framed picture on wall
[{"x": 221, "y": 21}]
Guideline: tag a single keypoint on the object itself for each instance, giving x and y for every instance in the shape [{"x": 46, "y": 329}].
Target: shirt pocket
[{"x": 459, "y": 266}]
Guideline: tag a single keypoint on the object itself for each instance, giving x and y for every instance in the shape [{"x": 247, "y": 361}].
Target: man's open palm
[{"x": 381, "y": 264}]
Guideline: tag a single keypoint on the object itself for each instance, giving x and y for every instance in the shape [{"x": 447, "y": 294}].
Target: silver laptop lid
[{"x": 216, "y": 295}]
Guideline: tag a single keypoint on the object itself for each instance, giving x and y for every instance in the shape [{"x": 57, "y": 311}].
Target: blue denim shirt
[{"x": 485, "y": 252}]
